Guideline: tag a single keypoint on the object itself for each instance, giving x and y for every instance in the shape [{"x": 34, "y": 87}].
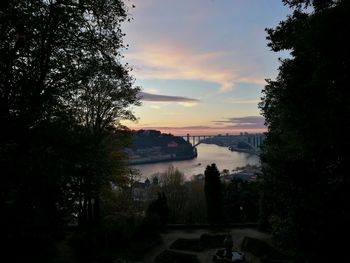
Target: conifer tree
[{"x": 213, "y": 195}]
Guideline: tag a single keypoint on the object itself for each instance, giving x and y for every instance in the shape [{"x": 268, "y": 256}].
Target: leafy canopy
[{"x": 306, "y": 110}]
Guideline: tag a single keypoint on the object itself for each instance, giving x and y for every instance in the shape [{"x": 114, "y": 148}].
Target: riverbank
[
  {"x": 234, "y": 149},
  {"x": 207, "y": 154},
  {"x": 151, "y": 160}
]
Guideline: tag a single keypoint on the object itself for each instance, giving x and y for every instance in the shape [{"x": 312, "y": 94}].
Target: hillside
[{"x": 150, "y": 146}]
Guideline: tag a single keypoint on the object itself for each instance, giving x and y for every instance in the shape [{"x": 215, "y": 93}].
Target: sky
[{"x": 201, "y": 64}]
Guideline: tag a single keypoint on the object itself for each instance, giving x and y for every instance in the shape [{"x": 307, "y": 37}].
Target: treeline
[
  {"x": 63, "y": 92},
  {"x": 202, "y": 200}
]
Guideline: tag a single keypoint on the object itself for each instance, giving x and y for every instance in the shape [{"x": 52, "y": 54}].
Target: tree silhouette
[
  {"x": 213, "y": 195},
  {"x": 306, "y": 109},
  {"x": 160, "y": 208},
  {"x": 172, "y": 182},
  {"x": 63, "y": 91}
]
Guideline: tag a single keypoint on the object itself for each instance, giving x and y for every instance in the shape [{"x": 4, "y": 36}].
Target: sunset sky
[{"x": 201, "y": 64}]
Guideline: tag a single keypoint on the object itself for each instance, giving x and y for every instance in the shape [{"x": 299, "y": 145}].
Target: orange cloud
[{"x": 168, "y": 61}]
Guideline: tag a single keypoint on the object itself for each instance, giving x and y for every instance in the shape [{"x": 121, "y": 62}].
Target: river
[{"x": 207, "y": 154}]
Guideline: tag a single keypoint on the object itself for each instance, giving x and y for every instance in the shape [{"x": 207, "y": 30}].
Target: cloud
[
  {"x": 151, "y": 90},
  {"x": 222, "y": 42},
  {"x": 165, "y": 98},
  {"x": 181, "y": 128},
  {"x": 171, "y": 61},
  {"x": 248, "y": 122},
  {"x": 188, "y": 104},
  {"x": 199, "y": 127},
  {"x": 232, "y": 125},
  {"x": 155, "y": 107},
  {"x": 202, "y": 129}
]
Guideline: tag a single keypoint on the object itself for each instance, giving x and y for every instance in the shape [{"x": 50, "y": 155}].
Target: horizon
[{"x": 199, "y": 132}]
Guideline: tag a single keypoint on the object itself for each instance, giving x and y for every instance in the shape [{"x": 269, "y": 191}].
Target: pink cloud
[{"x": 164, "y": 98}]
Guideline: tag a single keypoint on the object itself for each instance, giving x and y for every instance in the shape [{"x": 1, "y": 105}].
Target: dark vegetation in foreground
[
  {"x": 204, "y": 242},
  {"x": 305, "y": 158},
  {"x": 63, "y": 93},
  {"x": 173, "y": 257}
]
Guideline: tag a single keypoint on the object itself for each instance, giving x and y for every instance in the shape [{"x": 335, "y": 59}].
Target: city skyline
[{"x": 201, "y": 64}]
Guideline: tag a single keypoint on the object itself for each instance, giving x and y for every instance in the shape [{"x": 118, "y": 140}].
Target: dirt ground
[{"x": 206, "y": 256}]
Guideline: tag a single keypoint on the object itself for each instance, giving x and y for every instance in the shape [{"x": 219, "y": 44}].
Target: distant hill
[
  {"x": 153, "y": 146},
  {"x": 150, "y": 138}
]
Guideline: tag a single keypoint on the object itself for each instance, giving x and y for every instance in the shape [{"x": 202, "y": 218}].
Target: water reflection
[{"x": 207, "y": 154}]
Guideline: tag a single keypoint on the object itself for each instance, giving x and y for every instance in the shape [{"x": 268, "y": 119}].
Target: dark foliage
[
  {"x": 160, "y": 208},
  {"x": 63, "y": 92},
  {"x": 148, "y": 139},
  {"x": 108, "y": 245},
  {"x": 264, "y": 250},
  {"x": 212, "y": 241},
  {"x": 187, "y": 245},
  {"x": 213, "y": 194},
  {"x": 169, "y": 256},
  {"x": 241, "y": 201},
  {"x": 307, "y": 112}
]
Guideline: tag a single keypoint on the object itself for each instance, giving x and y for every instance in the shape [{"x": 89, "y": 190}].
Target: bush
[
  {"x": 168, "y": 256},
  {"x": 150, "y": 227},
  {"x": 212, "y": 241},
  {"x": 118, "y": 229},
  {"x": 187, "y": 244},
  {"x": 265, "y": 251}
]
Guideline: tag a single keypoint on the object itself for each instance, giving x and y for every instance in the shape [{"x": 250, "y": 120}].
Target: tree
[
  {"x": 63, "y": 92},
  {"x": 213, "y": 195},
  {"x": 172, "y": 182},
  {"x": 240, "y": 201},
  {"x": 306, "y": 110},
  {"x": 160, "y": 208},
  {"x": 195, "y": 202}
]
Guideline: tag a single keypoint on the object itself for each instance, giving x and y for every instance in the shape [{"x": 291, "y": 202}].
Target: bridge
[
  {"x": 251, "y": 141},
  {"x": 196, "y": 139}
]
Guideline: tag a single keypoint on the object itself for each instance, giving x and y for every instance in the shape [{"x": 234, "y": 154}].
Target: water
[{"x": 207, "y": 154}]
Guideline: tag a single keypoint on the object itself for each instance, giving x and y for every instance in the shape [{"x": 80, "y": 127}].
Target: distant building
[
  {"x": 139, "y": 192},
  {"x": 248, "y": 174}
]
